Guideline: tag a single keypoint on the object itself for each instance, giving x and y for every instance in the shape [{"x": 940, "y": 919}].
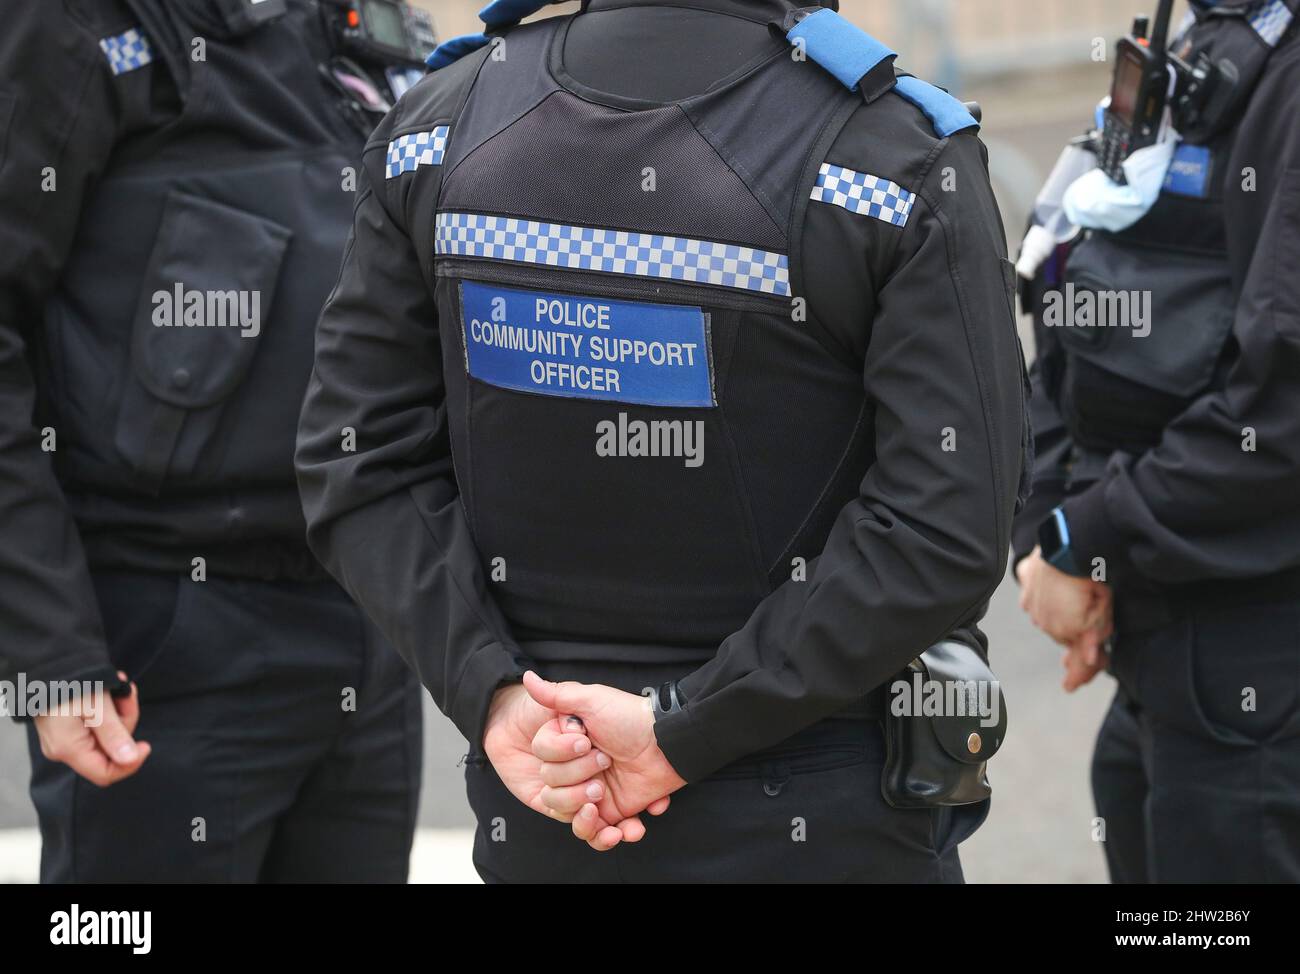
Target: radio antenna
[{"x": 1160, "y": 32}]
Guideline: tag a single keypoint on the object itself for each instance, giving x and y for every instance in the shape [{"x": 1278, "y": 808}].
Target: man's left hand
[{"x": 621, "y": 726}]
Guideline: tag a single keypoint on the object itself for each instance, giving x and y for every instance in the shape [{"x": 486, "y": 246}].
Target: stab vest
[
  {"x": 1146, "y": 313},
  {"x": 176, "y": 422},
  {"x": 666, "y": 240}
]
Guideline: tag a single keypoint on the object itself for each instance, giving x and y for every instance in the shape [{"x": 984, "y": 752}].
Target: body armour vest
[
  {"x": 177, "y": 348},
  {"x": 1146, "y": 314},
  {"x": 621, "y": 277}
]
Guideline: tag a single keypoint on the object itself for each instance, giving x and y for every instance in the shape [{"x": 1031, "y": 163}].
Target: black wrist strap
[{"x": 668, "y": 699}]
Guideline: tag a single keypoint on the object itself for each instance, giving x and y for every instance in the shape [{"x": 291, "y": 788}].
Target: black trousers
[
  {"x": 1196, "y": 774},
  {"x": 808, "y": 810},
  {"x": 286, "y": 742}
]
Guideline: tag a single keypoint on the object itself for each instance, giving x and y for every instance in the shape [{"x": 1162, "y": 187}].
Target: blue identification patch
[
  {"x": 1189, "y": 171},
  {"x": 587, "y": 347}
]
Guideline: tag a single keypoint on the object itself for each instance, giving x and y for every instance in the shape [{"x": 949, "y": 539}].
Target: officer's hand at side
[
  {"x": 1063, "y": 606},
  {"x": 514, "y": 719},
  {"x": 1083, "y": 660},
  {"x": 102, "y": 754},
  {"x": 620, "y": 725}
]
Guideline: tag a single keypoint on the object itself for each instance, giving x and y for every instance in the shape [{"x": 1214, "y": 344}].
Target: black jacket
[
  {"x": 876, "y": 440},
  {"x": 129, "y": 165},
  {"x": 1198, "y": 515}
]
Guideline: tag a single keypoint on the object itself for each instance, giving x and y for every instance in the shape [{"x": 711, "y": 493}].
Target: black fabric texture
[
  {"x": 250, "y": 743},
  {"x": 587, "y": 165},
  {"x": 1195, "y": 787}
]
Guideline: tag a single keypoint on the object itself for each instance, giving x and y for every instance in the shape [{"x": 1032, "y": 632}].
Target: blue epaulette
[
  {"x": 497, "y": 14},
  {"x": 453, "y": 49},
  {"x": 852, "y": 55}
]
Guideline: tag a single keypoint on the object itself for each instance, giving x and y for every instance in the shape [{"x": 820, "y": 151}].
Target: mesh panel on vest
[{"x": 587, "y": 164}]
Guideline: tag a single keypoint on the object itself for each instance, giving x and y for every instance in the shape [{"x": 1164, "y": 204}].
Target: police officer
[
  {"x": 677, "y": 341},
  {"x": 1166, "y": 501},
  {"x": 175, "y": 201}
]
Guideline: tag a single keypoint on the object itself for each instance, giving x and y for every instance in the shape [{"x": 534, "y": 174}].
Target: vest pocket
[
  {"x": 204, "y": 296},
  {"x": 1143, "y": 330}
]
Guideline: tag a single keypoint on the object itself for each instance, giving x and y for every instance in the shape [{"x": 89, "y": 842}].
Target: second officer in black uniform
[
  {"x": 176, "y": 192},
  {"x": 678, "y": 345},
  {"x": 1168, "y": 475}
]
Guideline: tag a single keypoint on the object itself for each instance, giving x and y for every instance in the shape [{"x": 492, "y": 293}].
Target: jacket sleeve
[
  {"x": 386, "y": 518},
  {"x": 919, "y": 551},
  {"x": 1052, "y": 443},
  {"x": 59, "y": 118},
  {"x": 1219, "y": 496}
]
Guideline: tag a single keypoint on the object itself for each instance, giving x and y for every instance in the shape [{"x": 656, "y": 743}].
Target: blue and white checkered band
[
  {"x": 127, "y": 51},
  {"x": 406, "y": 153},
  {"x": 612, "y": 251},
  {"x": 863, "y": 193},
  {"x": 1270, "y": 21}
]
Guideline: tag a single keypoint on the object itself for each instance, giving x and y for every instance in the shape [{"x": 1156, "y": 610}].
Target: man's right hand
[
  {"x": 514, "y": 719},
  {"x": 104, "y": 754}
]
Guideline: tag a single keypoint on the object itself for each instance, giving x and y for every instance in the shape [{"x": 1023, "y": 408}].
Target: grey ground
[{"x": 1039, "y": 829}]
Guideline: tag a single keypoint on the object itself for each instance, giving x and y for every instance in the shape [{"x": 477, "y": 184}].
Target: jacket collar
[{"x": 761, "y": 11}]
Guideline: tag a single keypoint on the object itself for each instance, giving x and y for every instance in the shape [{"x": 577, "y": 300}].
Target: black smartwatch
[{"x": 1054, "y": 542}]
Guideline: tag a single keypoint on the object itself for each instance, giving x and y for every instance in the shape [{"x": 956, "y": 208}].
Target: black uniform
[
  {"x": 674, "y": 188},
  {"x": 1175, "y": 458},
  {"x": 156, "y": 151}
]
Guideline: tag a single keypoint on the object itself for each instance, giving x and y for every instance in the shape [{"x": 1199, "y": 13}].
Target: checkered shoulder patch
[
  {"x": 863, "y": 193},
  {"x": 127, "y": 51},
  {"x": 406, "y": 153}
]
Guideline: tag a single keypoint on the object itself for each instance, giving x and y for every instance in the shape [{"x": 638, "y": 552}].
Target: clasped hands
[
  {"x": 586, "y": 754},
  {"x": 1076, "y": 612},
  {"x": 580, "y": 753}
]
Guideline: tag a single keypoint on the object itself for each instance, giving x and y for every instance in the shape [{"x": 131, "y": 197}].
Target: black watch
[{"x": 1054, "y": 542}]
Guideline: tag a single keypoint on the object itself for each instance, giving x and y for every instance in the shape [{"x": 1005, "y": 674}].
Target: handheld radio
[
  {"x": 382, "y": 30},
  {"x": 1138, "y": 94},
  {"x": 379, "y": 50}
]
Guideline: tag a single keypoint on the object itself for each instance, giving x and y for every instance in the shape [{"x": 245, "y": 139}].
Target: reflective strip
[
  {"x": 127, "y": 51},
  {"x": 1271, "y": 21},
  {"x": 624, "y": 252},
  {"x": 406, "y": 153},
  {"x": 863, "y": 193}
]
